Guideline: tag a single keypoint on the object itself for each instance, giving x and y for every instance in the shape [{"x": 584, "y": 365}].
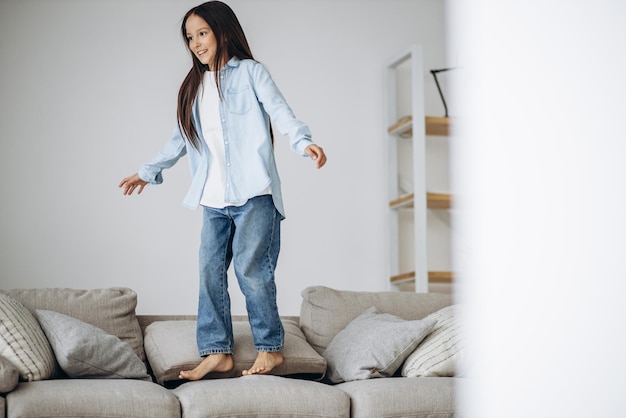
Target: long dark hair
[{"x": 231, "y": 42}]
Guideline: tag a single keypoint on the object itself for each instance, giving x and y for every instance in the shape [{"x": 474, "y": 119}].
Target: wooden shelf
[
  {"x": 433, "y": 277},
  {"x": 438, "y": 126},
  {"x": 433, "y": 201},
  {"x": 404, "y": 201},
  {"x": 439, "y": 201},
  {"x": 404, "y": 127}
]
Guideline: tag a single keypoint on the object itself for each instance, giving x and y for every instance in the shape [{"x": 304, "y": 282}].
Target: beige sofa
[{"x": 165, "y": 344}]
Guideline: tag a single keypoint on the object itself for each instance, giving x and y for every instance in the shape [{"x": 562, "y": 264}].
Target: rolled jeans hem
[
  {"x": 274, "y": 349},
  {"x": 204, "y": 353}
]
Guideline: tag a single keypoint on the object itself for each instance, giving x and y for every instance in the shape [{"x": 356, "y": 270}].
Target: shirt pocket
[{"x": 239, "y": 100}]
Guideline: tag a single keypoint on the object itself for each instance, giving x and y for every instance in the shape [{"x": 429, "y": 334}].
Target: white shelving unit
[{"x": 413, "y": 127}]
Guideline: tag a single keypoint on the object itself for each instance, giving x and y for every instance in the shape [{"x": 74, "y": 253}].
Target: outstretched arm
[
  {"x": 129, "y": 184},
  {"x": 152, "y": 171},
  {"x": 317, "y": 154}
]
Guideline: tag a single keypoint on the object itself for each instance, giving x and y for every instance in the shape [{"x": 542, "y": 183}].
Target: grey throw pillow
[
  {"x": 374, "y": 344},
  {"x": 83, "y": 350}
]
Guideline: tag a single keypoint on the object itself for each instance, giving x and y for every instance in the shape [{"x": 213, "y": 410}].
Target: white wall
[
  {"x": 88, "y": 93},
  {"x": 540, "y": 163}
]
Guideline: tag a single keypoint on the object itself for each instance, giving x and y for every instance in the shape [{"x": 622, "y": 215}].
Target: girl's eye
[
  {"x": 203, "y": 33},
  {"x": 189, "y": 38}
]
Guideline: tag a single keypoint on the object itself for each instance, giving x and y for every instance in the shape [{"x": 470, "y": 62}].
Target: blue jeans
[{"x": 249, "y": 235}]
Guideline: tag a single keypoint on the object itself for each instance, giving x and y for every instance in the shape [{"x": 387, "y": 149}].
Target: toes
[{"x": 253, "y": 370}]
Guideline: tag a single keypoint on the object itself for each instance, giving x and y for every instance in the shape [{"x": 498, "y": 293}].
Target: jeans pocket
[{"x": 239, "y": 101}]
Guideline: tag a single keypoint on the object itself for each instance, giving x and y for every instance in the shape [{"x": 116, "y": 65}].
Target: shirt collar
[{"x": 233, "y": 62}]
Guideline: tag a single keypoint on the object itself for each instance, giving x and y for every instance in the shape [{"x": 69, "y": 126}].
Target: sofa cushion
[
  {"x": 23, "y": 342},
  {"x": 401, "y": 397},
  {"x": 92, "y": 398},
  {"x": 9, "y": 375},
  {"x": 374, "y": 344},
  {"x": 442, "y": 350},
  {"x": 171, "y": 347},
  {"x": 112, "y": 309},
  {"x": 261, "y": 396},
  {"x": 324, "y": 311},
  {"x": 83, "y": 350}
]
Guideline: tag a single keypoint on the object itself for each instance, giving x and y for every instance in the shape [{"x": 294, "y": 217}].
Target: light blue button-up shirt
[{"x": 251, "y": 99}]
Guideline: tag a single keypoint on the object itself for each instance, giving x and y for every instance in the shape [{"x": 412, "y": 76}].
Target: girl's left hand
[{"x": 317, "y": 154}]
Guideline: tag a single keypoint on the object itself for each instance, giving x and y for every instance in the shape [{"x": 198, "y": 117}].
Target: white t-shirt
[{"x": 213, "y": 193}]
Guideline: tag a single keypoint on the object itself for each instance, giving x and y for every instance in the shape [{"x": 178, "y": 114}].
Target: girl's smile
[{"x": 201, "y": 40}]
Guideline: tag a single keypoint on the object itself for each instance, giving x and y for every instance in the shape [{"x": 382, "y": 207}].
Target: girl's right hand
[{"x": 129, "y": 184}]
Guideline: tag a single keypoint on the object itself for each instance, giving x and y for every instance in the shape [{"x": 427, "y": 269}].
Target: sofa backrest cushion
[
  {"x": 111, "y": 309},
  {"x": 325, "y": 311}
]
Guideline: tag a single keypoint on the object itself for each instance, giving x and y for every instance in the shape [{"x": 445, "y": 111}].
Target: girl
[{"x": 224, "y": 109}]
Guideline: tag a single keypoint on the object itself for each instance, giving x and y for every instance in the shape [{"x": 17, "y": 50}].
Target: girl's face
[{"x": 201, "y": 40}]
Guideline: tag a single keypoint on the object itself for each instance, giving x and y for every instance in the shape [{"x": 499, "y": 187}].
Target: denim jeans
[{"x": 249, "y": 235}]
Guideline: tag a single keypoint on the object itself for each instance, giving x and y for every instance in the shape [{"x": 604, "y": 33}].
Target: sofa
[{"x": 86, "y": 353}]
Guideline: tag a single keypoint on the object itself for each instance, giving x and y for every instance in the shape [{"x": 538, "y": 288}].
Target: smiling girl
[{"x": 225, "y": 105}]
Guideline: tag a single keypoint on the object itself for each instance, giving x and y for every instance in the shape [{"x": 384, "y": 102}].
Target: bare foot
[
  {"x": 264, "y": 363},
  {"x": 211, "y": 363}
]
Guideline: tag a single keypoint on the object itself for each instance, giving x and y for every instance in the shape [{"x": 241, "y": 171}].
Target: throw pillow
[
  {"x": 171, "y": 347},
  {"x": 22, "y": 341},
  {"x": 441, "y": 352},
  {"x": 374, "y": 344},
  {"x": 9, "y": 376},
  {"x": 86, "y": 351}
]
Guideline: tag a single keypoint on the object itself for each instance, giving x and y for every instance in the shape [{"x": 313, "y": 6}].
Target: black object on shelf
[{"x": 434, "y": 73}]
